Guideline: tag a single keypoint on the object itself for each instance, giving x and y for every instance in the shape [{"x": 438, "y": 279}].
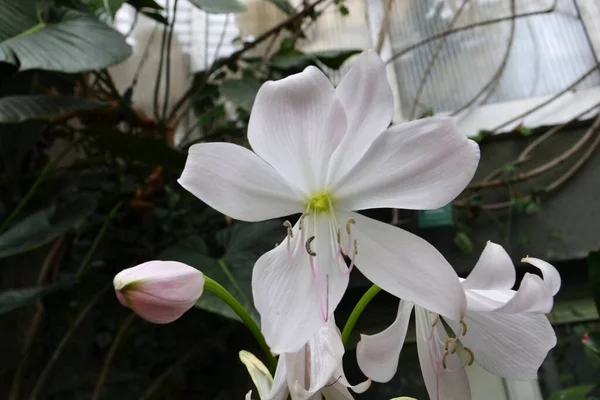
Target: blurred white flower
[
  {"x": 503, "y": 330},
  {"x": 323, "y": 152},
  {"x": 309, "y": 374}
]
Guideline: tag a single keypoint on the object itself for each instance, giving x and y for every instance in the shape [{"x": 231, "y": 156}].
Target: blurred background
[{"x": 100, "y": 100}]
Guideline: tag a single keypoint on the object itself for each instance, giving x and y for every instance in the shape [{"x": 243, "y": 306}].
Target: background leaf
[
  {"x": 43, "y": 226},
  {"x": 220, "y": 6},
  {"x": 15, "y": 109},
  {"x": 57, "y": 39},
  {"x": 573, "y": 393},
  {"x": 594, "y": 273},
  {"x": 244, "y": 243},
  {"x": 13, "y": 299},
  {"x": 241, "y": 92}
]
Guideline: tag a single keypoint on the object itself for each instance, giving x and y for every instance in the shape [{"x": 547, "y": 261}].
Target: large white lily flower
[
  {"x": 503, "y": 330},
  {"x": 312, "y": 373},
  {"x": 323, "y": 152}
]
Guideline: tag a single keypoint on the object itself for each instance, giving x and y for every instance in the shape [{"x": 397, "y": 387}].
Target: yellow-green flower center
[{"x": 321, "y": 202}]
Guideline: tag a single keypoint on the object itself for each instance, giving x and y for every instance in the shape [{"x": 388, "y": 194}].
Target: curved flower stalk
[
  {"x": 159, "y": 291},
  {"x": 324, "y": 152},
  {"x": 312, "y": 373},
  {"x": 503, "y": 330}
]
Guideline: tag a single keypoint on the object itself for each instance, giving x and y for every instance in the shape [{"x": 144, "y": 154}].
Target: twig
[
  {"x": 542, "y": 168},
  {"x": 156, "y": 384},
  {"x": 110, "y": 355},
  {"x": 385, "y": 25},
  {"x": 495, "y": 79},
  {"x": 467, "y": 27},
  {"x": 36, "y": 320},
  {"x": 551, "y": 132},
  {"x": 59, "y": 349},
  {"x": 434, "y": 57},
  {"x": 168, "y": 62},
  {"x": 97, "y": 240},
  {"x": 545, "y": 103},
  {"x": 237, "y": 54},
  {"x": 160, "y": 64}
]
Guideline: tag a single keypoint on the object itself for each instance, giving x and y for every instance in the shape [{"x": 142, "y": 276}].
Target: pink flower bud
[{"x": 159, "y": 291}]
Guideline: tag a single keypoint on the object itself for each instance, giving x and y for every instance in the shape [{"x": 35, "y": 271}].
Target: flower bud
[{"x": 159, "y": 291}]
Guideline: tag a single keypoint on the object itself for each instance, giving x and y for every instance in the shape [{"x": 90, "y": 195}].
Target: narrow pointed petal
[
  {"x": 419, "y": 165},
  {"x": 367, "y": 98},
  {"x": 233, "y": 180},
  {"x": 279, "y": 390},
  {"x": 378, "y": 354},
  {"x": 295, "y": 125},
  {"x": 512, "y": 346},
  {"x": 550, "y": 274},
  {"x": 259, "y": 373},
  {"x": 289, "y": 298},
  {"x": 406, "y": 266},
  {"x": 494, "y": 270},
  {"x": 249, "y": 395},
  {"x": 441, "y": 384}
]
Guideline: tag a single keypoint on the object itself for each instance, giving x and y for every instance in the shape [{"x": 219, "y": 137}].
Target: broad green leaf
[
  {"x": 594, "y": 273},
  {"x": 241, "y": 92},
  {"x": 59, "y": 39},
  {"x": 15, "y": 109},
  {"x": 13, "y": 299},
  {"x": 244, "y": 243},
  {"x": 284, "y": 5},
  {"x": 105, "y": 10},
  {"x": 44, "y": 226},
  {"x": 220, "y": 6},
  {"x": 152, "y": 152},
  {"x": 573, "y": 393}
]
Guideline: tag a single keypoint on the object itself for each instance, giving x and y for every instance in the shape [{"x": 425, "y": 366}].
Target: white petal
[
  {"x": 378, "y": 354},
  {"x": 313, "y": 368},
  {"x": 406, "y": 266},
  {"x": 494, "y": 270},
  {"x": 551, "y": 275},
  {"x": 420, "y": 164},
  {"x": 441, "y": 384},
  {"x": 367, "y": 98},
  {"x": 295, "y": 125},
  {"x": 258, "y": 372},
  {"x": 287, "y": 296},
  {"x": 233, "y": 180},
  {"x": 512, "y": 346},
  {"x": 337, "y": 392},
  {"x": 249, "y": 395},
  {"x": 533, "y": 296},
  {"x": 279, "y": 390}
]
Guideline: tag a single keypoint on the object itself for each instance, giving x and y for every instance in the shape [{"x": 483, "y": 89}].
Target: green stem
[
  {"x": 215, "y": 288},
  {"x": 35, "y": 186},
  {"x": 358, "y": 309},
  {"x": 88, "y": 257}
]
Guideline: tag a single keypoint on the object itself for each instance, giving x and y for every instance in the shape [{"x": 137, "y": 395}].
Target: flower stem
[
  {"x": 358, "y": 309},
  {"x": 215, "y": 288}
]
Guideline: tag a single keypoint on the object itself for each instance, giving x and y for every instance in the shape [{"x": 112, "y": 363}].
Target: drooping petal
[
  {"x": 406, "y": 266},
  {"x": 494, "y": 270},
  {"x": 259, "y": 373},
  {"x": 289, "y": 298},
  {"x": 550, "y": 274},
  {"x": 233, "y": 180},
  {"x": 279, "y": 390},
  {"x": 378, "y": 354},
  {"x": 512, "y": 346},
  {"x": 420, "y": 164},
  {"x": 442, "y": 384},
  {"x": 295, "y": 125},
  {"x": 533, "y": 296},
  {"x": 367, "y": 98}
]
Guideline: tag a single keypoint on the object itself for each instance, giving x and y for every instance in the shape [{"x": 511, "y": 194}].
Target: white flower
[
  {"x": 323, "y": 152},
  {"x": 312, "y": 373},
  {"x": 505, "y": 331}
]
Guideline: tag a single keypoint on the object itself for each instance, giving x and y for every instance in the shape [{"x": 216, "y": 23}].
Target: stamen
[
  {"x": 349, "y": 224},
  {"x": 334, "y": 382},
  {"x": 354, "y": 253},
  {"x": 436, "y": 319},
  {"x": 290, "y": 236},
  {"x": 308, "y": 249},
  {"x": 463, "y": 326},
  {"x": 471, "y": 355}
]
